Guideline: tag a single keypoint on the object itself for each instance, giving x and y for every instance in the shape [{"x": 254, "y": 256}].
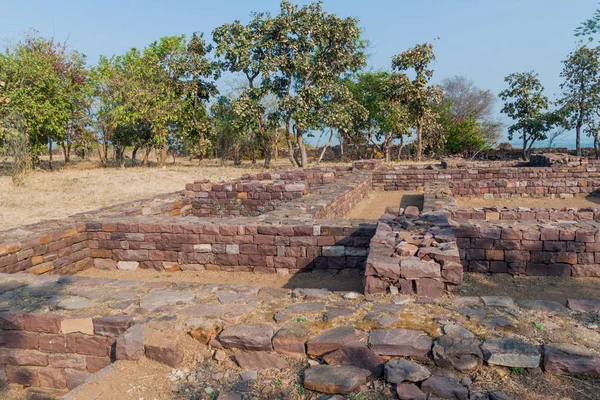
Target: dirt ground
[
  {"x": 576, "y": 202},
  {"x": 530, "y": 287},
  {"x": 374, "y": 204},
  {"x": 85, "y": 187},
  {"x": 344, "y": 281}
]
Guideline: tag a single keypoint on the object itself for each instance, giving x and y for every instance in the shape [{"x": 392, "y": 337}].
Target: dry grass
[{"x": 85, "y": 187}]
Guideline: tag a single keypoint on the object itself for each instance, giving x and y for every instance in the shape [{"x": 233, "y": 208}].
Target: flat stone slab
[
  {"x": 358, "y": 355},
  {"x": 583, "y": 305},
  {"x": 159, "y": 298},
  {"x": 568, "y": 359},
  {"x": 311, "y": 294},
  {"x": 542, "y": 305},
  {"x": 203, "y": 310},
  {"x": 334, "y": 339},
  {"x": 251, "y": 337},
  {"x": 400, "y": 342},
  {"x": 305, "y": 308},
  {"x": 398, "y": 371},
  {"x": 457, "y": 348},
  {"x": 445, "y": 388},
  {"x": 260, "y": 360},
  {"x": 336, "y": 312},
  {"x": 74, "y": 303},
  {"x": 335, "y": 379},
  {"x": 410, "y": 391},
  {"x": 291, "y": 340},
  {"x": 229, "y": 297},
  {"x": 511, "y": 353},
  {"x": 498, "y": 301}
]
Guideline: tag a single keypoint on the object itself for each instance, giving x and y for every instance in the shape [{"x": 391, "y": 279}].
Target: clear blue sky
[{"x": 484, "y": 40}]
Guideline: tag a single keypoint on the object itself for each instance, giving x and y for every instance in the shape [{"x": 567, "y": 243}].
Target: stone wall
[
  {"x": 237, "y": 245},
  {"x": 536, "y": 248},
  {"x": 500, "y": 181},
  {"x": 527, "y": 214}
]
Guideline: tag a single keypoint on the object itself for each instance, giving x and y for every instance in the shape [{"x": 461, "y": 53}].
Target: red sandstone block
[
  {"x": 243, "y": 239},
  {"x": 429, "y": 287},
  {"x": 475, "y": 254},
  {"x": 503, "y": 244},
  {"x": 481, "y": 243},
  {"x": 248, "y": 249},
  {"x": 95, "y": 364},
  {"x": 585, "y": 236},
  {"x": 555, "y": 246},
  {"x": 549, "y": 233},
  {"x": 226, "y": 259},
  {"x": 89, "y": 345},
  {"x": 585, "y": 270},
  {"x": 53, "y": 343},
  {"x": 303, "y": 241},
  {"x": 22, "y": 375},
  {"x": 19, "y": 339},
  {"x": 498, "y": 267},
  {"x": 23, "y": 357},
  {"x": 53, "y": 378},
  {"x": 284, "y": 262},
  {"x": 567, "y": 235},
  {"x": 479, "y": 266},
  {"x": 304, "y": 262},
  {"x": 559, "y": 270},
  {"x": 264, "y": 239},
  {"x": 45, "y": 323},
  {"x": 566, "y": 258},
  {"x": 517, "y": 256},
  {"x": 267, "y": 250},
  {"x": 225, "y": 239},
  {"x": 304, "y": 230},
  {"x": 537, "y": 270},
  {"x": 532, "y": 245},
  {"x": 543, "y": 257}
]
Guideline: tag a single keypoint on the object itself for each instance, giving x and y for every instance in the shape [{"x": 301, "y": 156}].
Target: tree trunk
[
  {"x": 163, "y": 156},
  {"x": 120, "y": 156},
  {"x": 302, "y": 146},
  {"x": 524, "y": 155},
  {"x": 387, "y": 150},
  {"x": 146, "y": 156},
  {"x": 102, "y": 160},
  {"x": 401, "y": 147},
  {"x": 288, "y": 138},
  {"x": 236, "y": 155},
  {"x": 420, "y": 142},
  {"x": 50, "y": 154},
  {"x": 134, "y": 155},
  {"x": 596, "y": 146},
  {"x": 578, "y": 137},
  {"x": 325, "y": 147}
]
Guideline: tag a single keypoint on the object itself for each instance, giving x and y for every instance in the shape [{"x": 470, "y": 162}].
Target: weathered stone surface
[
  {"x": 358, "y": 355},
  {"x": 511, "y": 353},
  {"x": 305, "y": 308},
  {"x": 229, "y": 297},
  {"x": 336, "y": 312},
  {"x": 334, "y": 339},
  {"x": 398, "y": 371},
  {"x": 259, "y": 360},
  {"x": 128, "y": 265},
  {"x": 311, "y": 294},
  {"x": 583, "y": 305},
  {"x": 158, "y": 298},
  {"x": 291, "y": 340},
  {"x": 457, "y": 348},
  {"x": 112, "y": 325},
  {"x": 428, "y": 287},
  {"x": 410, "y": 391},
  {"x": 542, "y": 305},
  {"x": 498, "y": 301},
  {"x": 445, "y": 388},
  {"x": 130, "y": 345},
  {"x": 334, "y": 379},
  {"x": 252, "y": 337},
  {"x": 568, "y": 359},
  {"x": 387, "y": 267},
  {"x": 75, "y": 377},
  {"x": 415, "y": 268},
  {"x": 412, "y": 212},
  {"x": 165, "y": 350},
  {"x": 400, "y": 342},
  {"x": 73, "y": 325},
  {"x": 74, "y": 303}
]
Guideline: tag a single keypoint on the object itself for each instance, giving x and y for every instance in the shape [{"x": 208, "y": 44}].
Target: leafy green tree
[
  {"x": 44, "y": 83},
  {"x": 525, "y": 102},
  {"x": 422, "y": 97},
  {"x": 312, "y": 51},
  {"x": 581, "y": 89},
  {"x": 590, "y": 26}
]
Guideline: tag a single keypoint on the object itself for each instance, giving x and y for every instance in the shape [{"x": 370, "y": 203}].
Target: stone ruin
[{"x": 58, "y": 330}]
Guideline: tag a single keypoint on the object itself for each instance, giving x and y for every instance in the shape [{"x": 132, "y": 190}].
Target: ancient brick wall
[
  {"x": 535, "y": 248},
  {"x": 527, "y": 214},
  {"x": 501, "y": 181},
  {"x": 235, "y": 246},
  {"x": 54, "y": 353}
]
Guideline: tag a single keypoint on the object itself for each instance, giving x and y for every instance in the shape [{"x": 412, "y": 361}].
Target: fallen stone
[
  {"x": 457, "y": 348},
  {"x": 511, "y": 353},
  {"x": 291, "y": 340},
  {"x": 583, "y": 305},
  {"x": 358, "y": 355},
  {"x": 445, "y": 388},
  {"x": 398, "y": 371},
  {"x": 334, "y": 379},
  {"x": 410, "y": 391},
  {"x": 428, "y": 287},
  {"x": 252, "y": 337},
  {"x": 229, "y": 396},
  {"x": 400, "y": 342},
  {"x": 159, "y": 298},
  {"x": 334, "y": 339},
  {"x": 203, "y": 329},
  {"x": 249, "y": 376},
  {"x": 387, "y": 320},
  {"x": 568, "y": 359},
  {"x": 497, "y": 395},
  {"x": 260, "y": 360},
  {"x": 165, "y": 351},
  {"x": 412, "y": 212},
  {"x": 130, "y": 345}
]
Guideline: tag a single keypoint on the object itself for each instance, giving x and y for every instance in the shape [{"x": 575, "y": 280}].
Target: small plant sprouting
[
  {"x": 538, "y": 326},
  {"x": 213, "y": 395},
  {"x": 278, "y": 383},
  {"x": 301, "y": 389},
  {"x": 301, "y": 319},
  {"x": 444, "y": 304},
  {"x": 517, "y": 370}
]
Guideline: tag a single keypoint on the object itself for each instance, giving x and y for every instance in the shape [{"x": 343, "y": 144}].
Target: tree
[
  {"x": 590, "y": 26},
  {"x": 383, "y": 96},
  {"x": 468, "y": 102},
  {"x": 422, "y": 97},
  {"x": 525, "y": 102},
  {"x": 44, "y": 82},
  {"x": 248, "y": 50},
  {"x": 581, "y": 89},
  {"x": 312, "y": 51}
]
